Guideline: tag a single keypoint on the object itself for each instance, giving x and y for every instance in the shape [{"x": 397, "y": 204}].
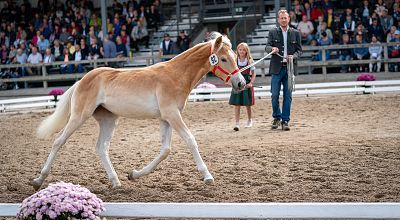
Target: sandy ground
[{"x": 340, "y": 149}]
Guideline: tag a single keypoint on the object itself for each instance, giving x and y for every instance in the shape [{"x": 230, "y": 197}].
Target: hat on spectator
[{"x": 397, "y": 32}]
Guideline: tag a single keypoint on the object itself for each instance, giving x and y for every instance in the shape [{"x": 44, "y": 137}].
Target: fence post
[
  {"x": 385, "y": 57},
  {"x": 324, "y": 71},
  {"x": 44, "y": 73}
]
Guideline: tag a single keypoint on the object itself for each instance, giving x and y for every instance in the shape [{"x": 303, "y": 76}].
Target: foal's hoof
[
  {"x": 134, "y": 175},
  {"x": 209, "y": 180},
  {"x": 116, "y": 185},
  {"x": 36, "y": 184}
]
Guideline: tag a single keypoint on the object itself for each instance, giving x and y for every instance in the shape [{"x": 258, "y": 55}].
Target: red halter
[{"x": 217, "y": 67}]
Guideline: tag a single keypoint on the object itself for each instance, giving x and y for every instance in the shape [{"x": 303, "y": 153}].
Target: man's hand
[
  {"x": 275, "y": 50},
  {"x": 249, "y": 85}
]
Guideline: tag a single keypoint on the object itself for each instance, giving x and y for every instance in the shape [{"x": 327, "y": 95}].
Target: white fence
[
  {"x": 241, "y": 210},
  {"x": 359, "y": 87}
]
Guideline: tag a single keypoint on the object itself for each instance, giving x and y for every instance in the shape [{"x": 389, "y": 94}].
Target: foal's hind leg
[
  {"x": 107, "y": 122},
  {"x": 73, "y": 123},
  {"x": 166, "y": 133}
]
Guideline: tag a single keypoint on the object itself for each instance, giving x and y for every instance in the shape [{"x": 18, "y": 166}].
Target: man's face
[{"x": 283, "y": 19}]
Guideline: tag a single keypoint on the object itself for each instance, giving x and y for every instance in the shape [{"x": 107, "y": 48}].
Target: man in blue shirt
[{"x": 360, "y": 53}]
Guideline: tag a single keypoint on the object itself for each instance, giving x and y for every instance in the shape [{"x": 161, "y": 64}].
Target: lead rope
[{"x": 291, "y": 83}]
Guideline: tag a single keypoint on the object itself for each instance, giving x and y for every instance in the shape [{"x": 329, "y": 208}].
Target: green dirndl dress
[{"x": 245, "y": 97}]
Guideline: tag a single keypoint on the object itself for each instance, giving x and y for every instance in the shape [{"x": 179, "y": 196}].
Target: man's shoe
[
  {"x": 285, "y": 126},
  {"x": 275, "y": 123}
]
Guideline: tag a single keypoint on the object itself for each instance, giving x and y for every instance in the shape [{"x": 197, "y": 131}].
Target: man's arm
[
  {"x": 299, "y": 49},
  {"x": 269, "y": 48}
]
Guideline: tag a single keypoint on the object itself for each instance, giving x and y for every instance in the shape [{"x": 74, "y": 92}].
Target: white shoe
[
  {"x": 249, "y": 124},
  {"x": 237, "y": 127}
]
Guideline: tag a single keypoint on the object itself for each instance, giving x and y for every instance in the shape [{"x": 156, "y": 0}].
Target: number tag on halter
[{"x": 213, "y": 59}]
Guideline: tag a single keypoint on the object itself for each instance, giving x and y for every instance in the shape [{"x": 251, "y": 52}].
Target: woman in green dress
[{"x": 245, "y": 97}]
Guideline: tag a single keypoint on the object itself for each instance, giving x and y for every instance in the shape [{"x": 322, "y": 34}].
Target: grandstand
[{"x": 23, "y": 23}]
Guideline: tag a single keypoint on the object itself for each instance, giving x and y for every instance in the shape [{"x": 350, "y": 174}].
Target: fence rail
[
  {"x": 241, "y": 210},
  {"x": 209, "y": 94}
]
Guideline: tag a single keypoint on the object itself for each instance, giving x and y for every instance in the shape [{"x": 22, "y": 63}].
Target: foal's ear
[{"x": 217, "y": 44}]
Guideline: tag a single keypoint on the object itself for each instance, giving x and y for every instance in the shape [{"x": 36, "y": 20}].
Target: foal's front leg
[
  {"x": 178, "y": 124},
  {"x": 166, "y": 133}
]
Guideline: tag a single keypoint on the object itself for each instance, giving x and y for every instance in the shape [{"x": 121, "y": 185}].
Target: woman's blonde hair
[{"x": 247, "y": 48}]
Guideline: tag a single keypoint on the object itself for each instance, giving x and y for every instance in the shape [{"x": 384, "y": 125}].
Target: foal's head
[{"x": 223, "y": 62}]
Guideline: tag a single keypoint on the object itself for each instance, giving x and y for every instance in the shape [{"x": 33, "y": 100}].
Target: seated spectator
[
  {"x": 121, "y": 48},
  {"x": 183, "y": 42},
  {"x": 349, "y": 25},
  {"x": 314, "y": 53},
  {"x": 94, "y": 50},
  {"x": 360, "y": 53},
  {"x": 77, "y": 56},
  {"x": 10, "y": 34},
  {"x": 394, "y": 52},
  {"x": 329, "y": 18},
  {"x": 360, "y": 30},
  {"x": 386, "y": 21},
  {"x": 48, "y": 56},
  {"x": 21, "y": 34},
  {"x": 336, "y": 29},
  {"x": 380, "y": 7},
  {"x": 166, "y": 47},
  {"x": 326, "y": 5},
  {"x": 306, "y": 29},
  {"x": 307, "y": 11},
  {"x": 34, "y": 58},
  {"x": 345, "y": 54},
  {"x": 84, "y": 47},
  {"x": 293, "y": 20},
  {"x": 57, "y": 50},
  {"x": 64, "y": 36},
  {"x": 140, "y": 34},
  {"x": 12, "y": 53},
  {"x": 3, "y": 54},
  {"x": 67, "y": 57},
  {"x": 298, "y": 12},
  {"x": 322, "y": 28},
  {"x": 376, "y": 30},
  {"x": 324, "y": 41},
  {"x": 36, "y": 38},
  {"x": 42, "y": 44},
  {"x": 391, "y": 34},
  {"x": 125, "y": 39},
  {"x": 375, "y": 51},
  {"x": 364, "y": 11},
  {"x": 110, "y": 49},
  {"x": 153, "y": 18},
  {"x": 3, "y": 39}
]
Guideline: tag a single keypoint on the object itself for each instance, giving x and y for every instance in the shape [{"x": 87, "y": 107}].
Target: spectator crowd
[
  {"x": 327, "y": 22},
  {"x": 72, "y": 31}
]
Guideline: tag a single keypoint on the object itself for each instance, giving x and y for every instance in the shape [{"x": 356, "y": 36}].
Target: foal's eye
[{"x": 223, "y": 60}]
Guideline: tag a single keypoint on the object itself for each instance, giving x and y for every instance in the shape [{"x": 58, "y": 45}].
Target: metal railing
[{"x": 245, "y": 25}]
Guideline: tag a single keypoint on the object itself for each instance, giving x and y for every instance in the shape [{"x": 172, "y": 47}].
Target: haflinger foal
[{"x": 158, "y": 91}]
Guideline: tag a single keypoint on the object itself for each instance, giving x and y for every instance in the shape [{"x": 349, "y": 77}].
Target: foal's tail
[{"x": 59, "y": 118}]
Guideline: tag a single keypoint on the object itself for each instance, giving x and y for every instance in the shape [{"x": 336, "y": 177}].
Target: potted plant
[
  {"x": 62, "y": 201},
  {"x": 366, "y": 77},
  {"x": 56, "y": 92}
]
